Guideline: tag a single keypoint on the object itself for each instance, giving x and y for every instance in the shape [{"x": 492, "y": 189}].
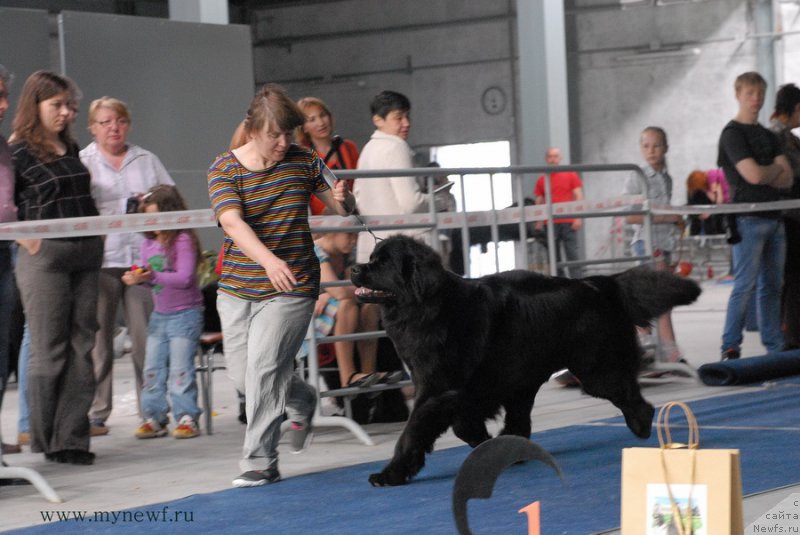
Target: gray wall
[
  {"x": 443, "y": 54},
  {"x": 187, "y": 85},
  {"x": 24, "y": 48}
]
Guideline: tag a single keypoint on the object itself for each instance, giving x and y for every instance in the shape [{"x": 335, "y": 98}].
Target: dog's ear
[{"x": 423, "y": 271}]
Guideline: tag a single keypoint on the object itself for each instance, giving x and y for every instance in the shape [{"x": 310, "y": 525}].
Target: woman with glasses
[{"x": 121, "y": 174}]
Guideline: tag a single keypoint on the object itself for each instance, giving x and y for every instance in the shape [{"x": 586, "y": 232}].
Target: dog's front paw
[{"x": 387, "y": 478}]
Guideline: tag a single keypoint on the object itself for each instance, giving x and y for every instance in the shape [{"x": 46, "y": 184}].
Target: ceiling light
[{"x": 647, "y": 55}]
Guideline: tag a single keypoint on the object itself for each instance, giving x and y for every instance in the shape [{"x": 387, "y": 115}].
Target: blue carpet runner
[{"x": 763, "y": 424}]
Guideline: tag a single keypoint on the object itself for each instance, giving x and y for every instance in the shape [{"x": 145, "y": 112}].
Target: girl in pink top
[{"x": 169, "y": 259}]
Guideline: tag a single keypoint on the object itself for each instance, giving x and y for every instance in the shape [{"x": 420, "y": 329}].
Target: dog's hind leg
[
  {"x": 429, "y": 419},
  {"x": 624, "y": 392}
]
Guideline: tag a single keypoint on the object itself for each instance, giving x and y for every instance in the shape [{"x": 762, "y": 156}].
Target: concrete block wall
[{"x": 443, "y": 54}]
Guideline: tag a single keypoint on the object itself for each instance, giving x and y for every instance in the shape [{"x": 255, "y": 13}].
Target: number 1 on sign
[{"x": 532, "y": 511}]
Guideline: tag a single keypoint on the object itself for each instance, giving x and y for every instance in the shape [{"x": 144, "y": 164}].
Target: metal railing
[{"x": 517, "y": 174}]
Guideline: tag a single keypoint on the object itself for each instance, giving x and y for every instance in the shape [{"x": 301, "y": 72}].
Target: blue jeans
[
  {"x": 6, "y": 280},
  {"x": 172, "y": 341},
  {"x": 23, "y": 423},
  {"x": 758, "y": 263}
]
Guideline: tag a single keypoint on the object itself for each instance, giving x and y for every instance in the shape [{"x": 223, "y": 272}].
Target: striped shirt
[
  {"x": 51, "y": 190},
  {"x": 274, "y": 203}
]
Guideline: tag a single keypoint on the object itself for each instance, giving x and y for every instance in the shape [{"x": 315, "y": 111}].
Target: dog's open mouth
[{"x": 368, "y": 295}]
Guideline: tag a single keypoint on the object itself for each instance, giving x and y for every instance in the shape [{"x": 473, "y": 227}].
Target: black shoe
[
  {"x": 730, "y": 354},
  {"x": 56, "y": 457},
  {"x": 80, "y": 457}
]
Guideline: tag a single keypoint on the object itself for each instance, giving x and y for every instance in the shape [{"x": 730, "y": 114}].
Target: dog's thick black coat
[{"x": 475, "y": 346}]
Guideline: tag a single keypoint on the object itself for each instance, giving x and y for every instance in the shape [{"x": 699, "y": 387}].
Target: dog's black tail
[{"x": 648, "y": 294}]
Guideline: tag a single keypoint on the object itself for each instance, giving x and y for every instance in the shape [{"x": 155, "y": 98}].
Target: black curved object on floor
[
  {"x": 751, "y": 369},
  {"x": 482, "y": 467}
]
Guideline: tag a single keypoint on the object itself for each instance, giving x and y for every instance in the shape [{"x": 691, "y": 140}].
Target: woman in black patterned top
[{"x": 58, "y": 278}]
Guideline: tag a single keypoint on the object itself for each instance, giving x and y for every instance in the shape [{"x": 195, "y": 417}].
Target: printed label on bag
[
  {"x": 689, "y": 499},
  {"x": 783, "y": 518}
]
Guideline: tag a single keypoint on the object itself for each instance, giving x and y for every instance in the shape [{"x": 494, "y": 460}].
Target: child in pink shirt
[{"x": 169, "y": 259}]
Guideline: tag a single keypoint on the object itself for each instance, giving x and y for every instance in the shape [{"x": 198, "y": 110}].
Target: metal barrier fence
[
  {"x": 615, "y": 207},
  {"x": 433, "y": 221},
  {"x": 586, "y": 209}
]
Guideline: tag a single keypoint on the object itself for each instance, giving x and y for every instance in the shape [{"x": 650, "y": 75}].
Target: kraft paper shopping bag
[{"x": 680, "y": 488}]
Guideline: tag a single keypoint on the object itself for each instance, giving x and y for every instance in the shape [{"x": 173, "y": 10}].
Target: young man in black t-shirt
[{"x": 756, "y": 170}]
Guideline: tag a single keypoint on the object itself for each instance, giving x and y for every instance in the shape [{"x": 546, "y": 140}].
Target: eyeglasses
[{"x": 109, "y": 122}]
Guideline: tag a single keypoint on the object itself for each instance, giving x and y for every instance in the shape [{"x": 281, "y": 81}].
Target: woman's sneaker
[
  {"x": 256, "y": 478},
  {"x": 187, "y": 428},
  {"x": 151, "y": 429}
]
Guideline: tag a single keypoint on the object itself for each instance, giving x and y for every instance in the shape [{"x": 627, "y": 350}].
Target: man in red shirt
[{"x": 565, "y": 186}]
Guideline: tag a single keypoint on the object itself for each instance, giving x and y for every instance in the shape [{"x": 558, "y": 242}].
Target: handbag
[{"x": 679, "y": 488}]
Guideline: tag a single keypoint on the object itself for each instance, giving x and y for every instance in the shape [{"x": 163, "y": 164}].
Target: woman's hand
[
  {"x": 280, "y": 274},
  {"x": 340, "y": 191},
  {"x": 32, "y": 246},
  {"x": 322, "y": 302}
]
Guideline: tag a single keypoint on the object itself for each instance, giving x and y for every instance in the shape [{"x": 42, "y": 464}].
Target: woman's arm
[{"x": 339, "y": 200}]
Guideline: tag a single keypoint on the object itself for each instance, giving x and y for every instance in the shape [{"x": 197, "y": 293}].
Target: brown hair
[
  {"x": 240, "y": 137},
  {"x": 696, "y": 181},
  {"x": 304, "y": 104},
  {"x": 272, "y": 105},
  {"x": 751, "y": 78},
  {"x": 27, "y": 125},
  {"x": 116, "y": 105},
  {"x": 168, "y": 199}
]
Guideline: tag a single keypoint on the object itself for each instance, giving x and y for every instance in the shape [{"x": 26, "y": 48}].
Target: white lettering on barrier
[{"x": 98, "y": 225}]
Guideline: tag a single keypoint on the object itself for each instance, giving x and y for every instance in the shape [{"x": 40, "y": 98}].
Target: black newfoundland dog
[{"x": 475, "y": 346}]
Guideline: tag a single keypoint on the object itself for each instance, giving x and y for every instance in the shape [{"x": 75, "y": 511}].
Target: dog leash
[
  {"x": 366, "y": 227},
  {"x": 330, "y": 179}
]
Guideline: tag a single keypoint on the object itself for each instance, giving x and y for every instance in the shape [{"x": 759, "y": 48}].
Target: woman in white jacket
[
  {"x": 388, "y": 149},
  {"x": 121, "y": 174}
]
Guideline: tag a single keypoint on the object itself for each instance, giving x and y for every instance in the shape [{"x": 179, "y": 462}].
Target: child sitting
[{"x": 170, "y": 260}]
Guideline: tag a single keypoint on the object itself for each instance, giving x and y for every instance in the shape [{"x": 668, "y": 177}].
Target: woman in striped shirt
[{"x": 270, "y": 275}]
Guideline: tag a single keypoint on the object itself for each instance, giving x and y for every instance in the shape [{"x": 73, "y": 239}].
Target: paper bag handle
[{"x": 663, "y": 430}]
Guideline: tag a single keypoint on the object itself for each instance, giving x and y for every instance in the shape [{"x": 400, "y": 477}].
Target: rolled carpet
[{"x": 751, "y": 369}]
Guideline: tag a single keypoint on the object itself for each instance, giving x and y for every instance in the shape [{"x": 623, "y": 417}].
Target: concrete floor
[{"x": 130, "y": 472}]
